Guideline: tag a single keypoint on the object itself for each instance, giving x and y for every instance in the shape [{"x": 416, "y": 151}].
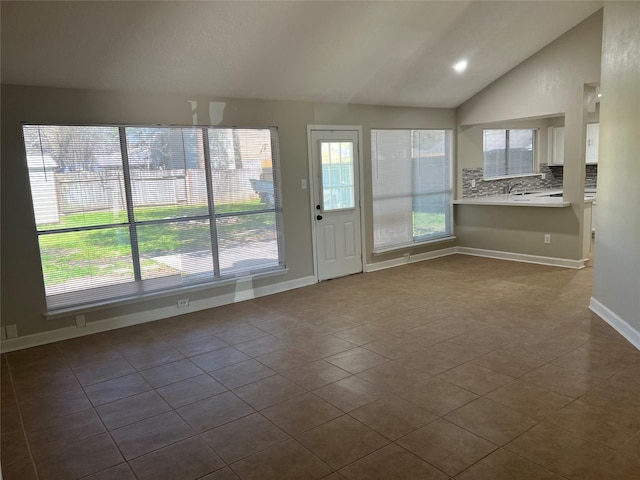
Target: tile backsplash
[{"x": 553, "y": 179}]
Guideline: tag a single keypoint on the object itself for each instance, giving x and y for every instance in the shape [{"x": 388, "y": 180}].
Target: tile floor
[{"x": 460, "y": 367}]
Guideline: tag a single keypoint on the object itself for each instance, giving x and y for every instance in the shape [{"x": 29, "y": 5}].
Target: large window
[
  {"x": 411, "y": 183},
  {"x": 125, "y": 210},
  {"x": 508, "y": 152}
]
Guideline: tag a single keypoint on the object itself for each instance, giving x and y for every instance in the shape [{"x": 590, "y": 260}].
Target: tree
[
  {"x": 73, "y": 148},
  {"x": 220, "y": 142}
]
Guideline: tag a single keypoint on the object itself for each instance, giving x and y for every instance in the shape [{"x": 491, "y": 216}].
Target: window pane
[
  {"x": 391, "y": 158},
  {"x": 495, "y": 157},
  {"x": 411, "y": 186},
  {"x": 432, "y": 173},
  {"x": 508, "y": 152},
  {"x": 166, "y": 166},
  {"x": 392, "y": 222},
  {"x": 429, "y": 218},
  {"x": 175, "y": 249},
  {"x": 75, "y": 261},
  {"x": 75, "y": 175},
  {"x": 78, "y": 181},
  {"x": 520, "y": 152},
  {"x": 247, "y": 242},
  {"x": 241, "y": 169},
  {"x": 337, "y": 175}
]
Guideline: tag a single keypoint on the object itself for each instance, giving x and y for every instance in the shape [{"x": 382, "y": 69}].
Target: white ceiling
[{"x": 385, "y": 53}]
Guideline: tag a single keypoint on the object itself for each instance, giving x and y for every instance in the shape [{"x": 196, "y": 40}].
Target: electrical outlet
[
  {"x": 80, "y": 321},
  {"x": 183, "y": 302},
  {"x": 547, "y": 238},
  {"x": 407, "y": 256},
  {"x": 543, "y": 176},
  {"x": 473, "y": 183}
]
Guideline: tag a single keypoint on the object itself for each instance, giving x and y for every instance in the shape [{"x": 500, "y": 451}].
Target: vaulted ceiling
[{"x": 384, "y": 53}]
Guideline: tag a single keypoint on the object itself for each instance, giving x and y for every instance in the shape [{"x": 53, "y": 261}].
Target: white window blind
[
  {"x": 508, "y": 152},
  {"x": 126, "y": 210},
  {"x": 411, "y": 184}
]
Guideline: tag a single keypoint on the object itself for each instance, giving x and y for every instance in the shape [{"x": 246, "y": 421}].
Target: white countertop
[{"x": 538, "y": 199}]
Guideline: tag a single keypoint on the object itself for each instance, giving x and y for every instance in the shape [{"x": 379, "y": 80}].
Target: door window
[{"x": 338, "y": 185}]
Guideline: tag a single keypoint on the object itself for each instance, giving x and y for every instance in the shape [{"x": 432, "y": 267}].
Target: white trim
[
  {"x": 522, "y": 257},
  {"x": 185, "y": 289},
  {"x": 285, "y": 286},
  {"x": 419, "y": 257},
  {"x": 511, "y": 256},
  {"x": 244, "y": 290},
  {"x": 616, "y": 322},
  {"x": 449, "y": 238},
  {"x": 66, "y": 333}
]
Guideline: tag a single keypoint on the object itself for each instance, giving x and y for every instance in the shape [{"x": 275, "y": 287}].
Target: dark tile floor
[{"x": 460, "y": 367}]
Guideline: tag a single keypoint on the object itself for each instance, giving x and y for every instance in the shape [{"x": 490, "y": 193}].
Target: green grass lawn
[
  {"x": 425, "y": 223},
  {"x": 81, "y": 254}
]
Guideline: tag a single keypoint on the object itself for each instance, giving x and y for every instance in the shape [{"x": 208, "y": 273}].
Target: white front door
[{"x": 335, "y": 164}]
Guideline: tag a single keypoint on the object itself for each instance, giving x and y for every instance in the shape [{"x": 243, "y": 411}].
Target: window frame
[
  {"x": 448, "y": 234},
  {"x": 534, "y": 154},
  {"x": 140, "y": 289}
]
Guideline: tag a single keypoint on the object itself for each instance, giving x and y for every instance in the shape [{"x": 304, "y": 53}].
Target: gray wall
[
  {"x": 22, "y": 286},
  {"x": 542, "y": 85},
  {"x": 550, "y": 83},
  {"x": 617, "y": 250},
  {"x": 385, "y": 117}
]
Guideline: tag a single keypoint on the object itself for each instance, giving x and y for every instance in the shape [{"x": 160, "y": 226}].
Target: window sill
[
  {"x": 413, "y": 245},
  {"x": 505, "y": 177},
  {"x": 55, "y": 313}
]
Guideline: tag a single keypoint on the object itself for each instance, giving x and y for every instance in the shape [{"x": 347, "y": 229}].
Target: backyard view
[
  {"x": 426, "y": 224},
  {"x": 106, "y": 252},
  {"x": 99, "y": 227},
  {"x": 411, "y": 186}
]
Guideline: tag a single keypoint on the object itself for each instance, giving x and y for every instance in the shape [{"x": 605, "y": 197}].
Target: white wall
[{"x": 616, "y": 290}]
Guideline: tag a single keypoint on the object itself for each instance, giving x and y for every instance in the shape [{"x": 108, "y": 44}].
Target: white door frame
[{"x": 313, "y": 186}]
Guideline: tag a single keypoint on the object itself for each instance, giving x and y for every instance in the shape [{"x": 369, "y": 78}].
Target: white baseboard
[
  {"x": 478, "y": 252},
  {"x": 522, "y": 257},
  {"x": 616, "y": 322},
  {"x": 244, "y": 291},
  {"x": 419, "y": 257}
]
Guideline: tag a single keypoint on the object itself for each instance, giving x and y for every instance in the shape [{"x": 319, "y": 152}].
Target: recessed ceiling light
[{"x": 461, "y": 66}]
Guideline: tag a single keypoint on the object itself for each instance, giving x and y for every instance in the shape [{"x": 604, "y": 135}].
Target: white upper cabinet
[
  {"x": 556, "y": 145},
  {"x": 593, "y": 134}
]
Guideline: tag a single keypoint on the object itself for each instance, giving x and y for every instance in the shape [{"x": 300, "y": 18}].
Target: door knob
[{"x": 318, "y": 217}]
